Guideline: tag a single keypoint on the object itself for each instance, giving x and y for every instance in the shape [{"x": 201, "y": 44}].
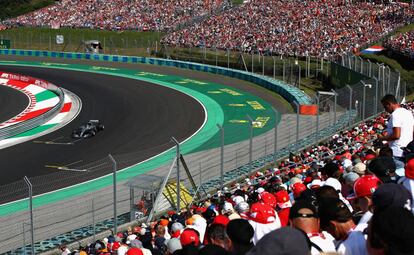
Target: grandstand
[{"x": 258, "y": 169}]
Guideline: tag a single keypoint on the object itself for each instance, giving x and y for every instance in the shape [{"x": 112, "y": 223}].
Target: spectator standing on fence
[{"x": 399, "y": 128}]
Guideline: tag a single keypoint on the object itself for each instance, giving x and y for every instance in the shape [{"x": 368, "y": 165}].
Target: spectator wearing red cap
[
  {"x": 190, "y": 236},
  {"x": 364, "y": 188},
  {"x": 134, "y": 251},
  {"x": 263, "y": 219},
  {"x": 297, "y": 189},
  {"x": 283, "y": 207}
]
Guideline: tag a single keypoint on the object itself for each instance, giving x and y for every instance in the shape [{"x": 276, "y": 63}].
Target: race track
[
  {"x": 139, "y": 117},
  {"x": 12, "y": 102}
]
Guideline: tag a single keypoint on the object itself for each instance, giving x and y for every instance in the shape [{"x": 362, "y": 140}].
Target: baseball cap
[
  {"x": 350, "y": 177},
  {"x": 174, "y": 244},
  {"x": 189, "y": 236},
  {"x": 334, "y": 183},
  {"x": 285, "y": 240},
  {"x": 409, "y": 169},
  {"x": 359, "y": 168},
  {"x": 382, "y": 167},
  {"x": 366, "y": 185},
  {"x": 298, "y": 188},
  {"x": 316, "y": 183},
  {"x": 282, "y": 199},
  {"x": 262, "y": 213},
  {"x": 242, "y": 207},
  {"x": 303, "y": 204},
  {"x": 134, "y": 251},
  {"x": 391, "y": 195},
  {"x": 268, "y": 199},
  {"x": 221, "y": 219}
]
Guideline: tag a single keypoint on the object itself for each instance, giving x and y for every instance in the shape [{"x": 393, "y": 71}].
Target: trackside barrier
[
  {"x": 24, "y": 126},
  {"x": 288, "y": 92}
]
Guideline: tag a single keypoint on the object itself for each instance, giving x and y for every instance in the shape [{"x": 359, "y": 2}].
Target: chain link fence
[{"x": 358, "y": 88}]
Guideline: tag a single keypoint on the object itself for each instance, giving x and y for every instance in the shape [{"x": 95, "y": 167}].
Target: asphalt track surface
[
  {"x": 138, "y": 116},
  {"x": 12, "y": 102}
]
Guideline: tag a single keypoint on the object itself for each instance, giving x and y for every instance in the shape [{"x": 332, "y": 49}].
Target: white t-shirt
[
  {"x": 324, "y": 241},
  {"x": 402, "y": 118},
  {"x": 356, "y": 241},
  {"x": 409, "y": 185}
]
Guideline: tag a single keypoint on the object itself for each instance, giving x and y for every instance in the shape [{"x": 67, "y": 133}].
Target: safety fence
[{"x": 202, "y": 171}]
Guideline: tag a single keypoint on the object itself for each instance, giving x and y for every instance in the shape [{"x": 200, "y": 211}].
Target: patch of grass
[
  {"x": 113, "y": 42},
  {"x": 237, "y": 2}
]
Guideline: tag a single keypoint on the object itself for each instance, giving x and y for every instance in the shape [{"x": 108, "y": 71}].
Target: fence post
[
  {"x": 177, "y": 144},
  {"x": 350, "y": 103},
  {"x": 252, "y": 61},
  {"x": 228, "y": 58},
  {"x": 263, "y": 65},
  {"x": 114, "y": 192},
  {"x": 389, "y": 79},
  {"x": 317, "y": 116},
  {"x": 93, "y": 220},
  {"x": 297, "y": 125},
  {"x": 250, "y": 143},
  {"x": 275, "y": 141},
  {"x": 335, "y": 101},
  {"x": 362, "y": 65},
  {"x": 370, "y": 68},
  {"x": 274, "y": 67},
  {"x": 30, "y": 187},
  {"x": 284, "y": 71},
  {"x": 221, "y": 128},
  {"x": 376, "y": 97},
  {"x": 216, "y": 56}
]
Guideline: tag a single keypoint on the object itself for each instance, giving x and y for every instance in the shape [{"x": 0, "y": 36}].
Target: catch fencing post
[
  {"x": 250, "y": 143},
  {"x": 370, "y": 68},
  {"x": 177, "y": 144},
  {"x": 263, "y": 65},
  {"x": 228, "y": 58},
  {"x": 297, "y": 124},
  {"x": 350, "y": 104},
  {"x": 362, "y": 65},
  {"x": 30, "y": 187},
  {"x": 274, "y": 67},
  {"x": 275, "y": 144},
  {"x": 389, "y": 79},
  {"x": 376, "y": 97},
  {"x": 93, "y": 219},
  {"x": 317, "y": 115},
  {"x": 252, "y": 61},
  {"x": 221, "y": 128},
  {"x": 363, "y": 98},
  {"x": 114, "y": 192},
  {"x": 335, "y": 102}
]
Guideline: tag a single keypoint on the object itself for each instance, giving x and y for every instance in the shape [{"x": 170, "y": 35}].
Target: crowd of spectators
[
  {"x": 117, "y": 14},
  {"x": 293, "y": 27},
  {"x": 403, "y": 43},
  {"x": 347, "y": 195}
]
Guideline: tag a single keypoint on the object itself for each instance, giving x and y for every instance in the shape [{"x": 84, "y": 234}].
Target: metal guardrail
[{"x": 24, "y": 126}]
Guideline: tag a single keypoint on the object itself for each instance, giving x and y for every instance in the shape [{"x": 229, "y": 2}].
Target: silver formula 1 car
[{"x": 88, "y": 129}]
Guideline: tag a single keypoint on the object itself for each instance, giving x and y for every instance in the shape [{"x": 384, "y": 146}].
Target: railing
[{"x": 93, "y": 212}]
